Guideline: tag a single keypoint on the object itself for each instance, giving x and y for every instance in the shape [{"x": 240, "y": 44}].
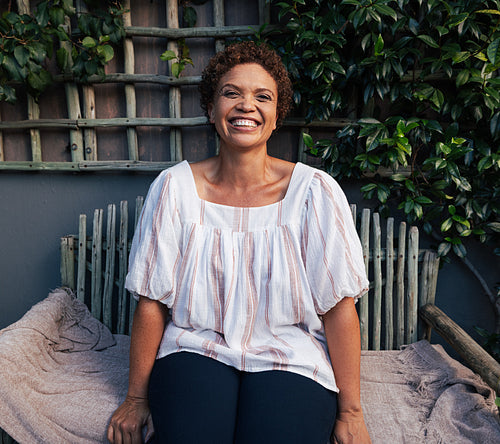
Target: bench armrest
[{"x": 473, "y": 354}]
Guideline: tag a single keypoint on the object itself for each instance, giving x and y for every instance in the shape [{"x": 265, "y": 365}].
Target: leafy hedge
[{"x": 420, "y": 81}]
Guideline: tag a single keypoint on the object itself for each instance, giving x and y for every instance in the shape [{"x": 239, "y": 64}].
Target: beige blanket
[{"x": 62, "y": 374}]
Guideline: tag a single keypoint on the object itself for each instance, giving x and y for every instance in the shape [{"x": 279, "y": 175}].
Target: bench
[{"x": 398, "y": 310}]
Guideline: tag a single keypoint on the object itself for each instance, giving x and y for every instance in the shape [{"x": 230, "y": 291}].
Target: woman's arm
[
  {"x": 343, "y": 338},
  {"x": 147, "y": 330}
]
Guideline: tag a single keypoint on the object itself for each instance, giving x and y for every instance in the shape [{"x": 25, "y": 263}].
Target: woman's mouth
[{"x": 244, "y": 123}]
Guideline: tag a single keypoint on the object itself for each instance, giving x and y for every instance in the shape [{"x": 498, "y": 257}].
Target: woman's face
[{"x": 244, "y": 107}]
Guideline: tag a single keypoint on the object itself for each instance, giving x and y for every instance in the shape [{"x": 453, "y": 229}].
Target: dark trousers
[{"x": 198, "y": 400}]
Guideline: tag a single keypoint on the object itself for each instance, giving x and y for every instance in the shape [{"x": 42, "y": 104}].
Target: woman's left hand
[{"x": 350, "y": 429}]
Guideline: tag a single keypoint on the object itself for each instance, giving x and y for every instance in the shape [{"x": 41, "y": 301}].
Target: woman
[{"x": 246, "y": 268}]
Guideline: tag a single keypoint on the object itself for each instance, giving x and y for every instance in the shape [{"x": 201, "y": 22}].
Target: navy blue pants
[{"x": 198, "y": 400}]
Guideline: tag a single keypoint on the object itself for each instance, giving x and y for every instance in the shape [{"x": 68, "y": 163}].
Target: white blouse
[{"x": 247, "y": 286}]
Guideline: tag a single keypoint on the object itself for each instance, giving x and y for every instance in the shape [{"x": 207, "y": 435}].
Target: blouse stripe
[
  {"x": 216, "y": 277},
  {"x": 251, "y": 297}
]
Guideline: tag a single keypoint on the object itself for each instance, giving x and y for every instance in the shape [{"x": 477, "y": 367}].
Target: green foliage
[
  {"x": 424, "y": 77},
  {"x": 28, "y": 41},
  {"x": 181, "y": 59}
]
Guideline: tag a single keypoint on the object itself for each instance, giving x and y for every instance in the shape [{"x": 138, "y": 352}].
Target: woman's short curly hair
[{"x": 246, "y": 52}]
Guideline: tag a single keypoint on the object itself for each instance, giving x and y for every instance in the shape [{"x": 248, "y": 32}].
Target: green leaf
[
  {"x": 495, "y": 226},
  {"x": 379, "y": 45},
  {"x": 22, "y": 55},
  {"x": 106, "y": 51},
  {"x": 168, "y": 55},
  {"x": 493, "y": 51},
  {"x": 428, "y": 40},
  {"x": 462, "y": 77},
  {"x": 62, "y": 58},
  {"x": 446, "y": 224},
  {"x": 176, "y": 69},
  {"x": 459, "y": 250},
  {"x": 308, "y": 140},
  {"x": 443, "y": 249},
  {"x": 89, "y": 42},
  {"x": 385, "y": 10}
]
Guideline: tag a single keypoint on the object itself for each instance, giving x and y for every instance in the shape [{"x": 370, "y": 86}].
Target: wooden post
[
  {"x": 389, "y": 284},
  {"x": 400, "y": 287},
  {"x": 363, "y": 303},
  {"x": 109, "y": 271},
  {"x": 377, "y": 283},
  {"x": 130, "y": 98},
  {"x": 82, "y": 258},
  {"x": 23, "y": 7},
  {"x": 264, "y": 11},
  {"x": 73, "y": 105},
  {"x": 174, "y": 91},
  {"x": 67, "y": 262},
  {"x": 122, "y": 267},
  {"x": 473, "y": 354},
  {"x": 412, "y": 293},
  {"x": 88, "y": 95},
  {"x": 96, "y": 266}
]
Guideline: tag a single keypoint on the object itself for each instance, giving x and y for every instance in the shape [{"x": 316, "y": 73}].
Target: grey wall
[{"x": 38, "y": 208}]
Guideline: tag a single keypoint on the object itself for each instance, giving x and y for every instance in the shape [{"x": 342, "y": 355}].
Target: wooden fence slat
[
  {"x": 400, "y": 286},
  {"x": 412, "y": 292},
  {"x": 82, "y": 257},
  {"x": 353, "y": 212},
  {"x": 122, "y": 267},
  {"x": 377, "y": 283},
  {"x": 174, "y": 93},
  {"x": 130, "y": 98},
  {"x": 363, "y": 302},
  {"x": 389, "y": 285},
  {"x": 96, "y": 266},
  {"x": 67, "y": 262},
  {"x": 109, "y": 272}
]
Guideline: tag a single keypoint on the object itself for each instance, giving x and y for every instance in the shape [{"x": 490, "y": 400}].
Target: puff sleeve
[
  {"x": 155, "y": 249},
  {"x": 332, "y": 250}
]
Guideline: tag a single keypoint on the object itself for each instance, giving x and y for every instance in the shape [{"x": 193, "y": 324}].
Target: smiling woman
[{"x": 246, "y": 269}]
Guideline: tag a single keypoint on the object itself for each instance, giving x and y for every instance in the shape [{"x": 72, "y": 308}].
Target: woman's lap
[{"x": 195, "y": 399}]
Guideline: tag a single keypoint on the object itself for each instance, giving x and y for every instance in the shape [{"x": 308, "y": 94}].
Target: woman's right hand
[{"x": 128, "y": 421}]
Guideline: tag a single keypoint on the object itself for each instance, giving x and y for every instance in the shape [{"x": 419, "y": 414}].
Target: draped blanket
[{"x": 62, "y": 375}]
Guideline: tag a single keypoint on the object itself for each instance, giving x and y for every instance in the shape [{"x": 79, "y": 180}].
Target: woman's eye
[
  {"x": 230, "y": 94},
  {"x": 263, "y": 98}
]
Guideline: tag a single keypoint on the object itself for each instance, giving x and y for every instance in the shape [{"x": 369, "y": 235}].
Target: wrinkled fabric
[
  {"x": 420, "y": 395},
  {"x": 62, "y": 374},
  {"x": 415, "y": 396}
]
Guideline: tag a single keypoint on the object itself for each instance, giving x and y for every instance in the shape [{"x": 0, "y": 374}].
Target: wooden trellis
[{"x": 81, "y": 123}]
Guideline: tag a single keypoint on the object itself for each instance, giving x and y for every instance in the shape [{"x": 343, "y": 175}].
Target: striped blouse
[{"x": 248, "y": 286}]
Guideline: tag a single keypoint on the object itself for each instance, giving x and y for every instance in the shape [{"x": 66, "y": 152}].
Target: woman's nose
[{"x": 246, "y": 104}]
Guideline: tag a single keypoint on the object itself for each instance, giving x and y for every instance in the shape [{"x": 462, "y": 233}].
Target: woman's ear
[{"x": 211, "y": 113}]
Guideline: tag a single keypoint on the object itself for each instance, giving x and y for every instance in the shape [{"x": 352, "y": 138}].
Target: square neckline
[{"x": 194, "y": 191}]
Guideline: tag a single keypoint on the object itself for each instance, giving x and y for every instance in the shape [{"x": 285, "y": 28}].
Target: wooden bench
[{"x": 403, "y": 280}]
